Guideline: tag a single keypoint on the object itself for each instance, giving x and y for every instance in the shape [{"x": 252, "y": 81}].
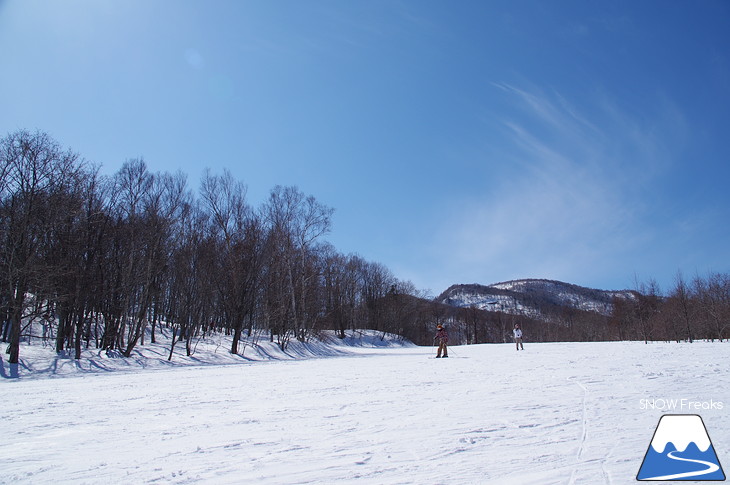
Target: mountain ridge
[{"x": 532, "y": 297}]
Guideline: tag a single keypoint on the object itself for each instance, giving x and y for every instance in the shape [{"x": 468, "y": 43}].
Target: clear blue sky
[{"x": 458, "y": 141}]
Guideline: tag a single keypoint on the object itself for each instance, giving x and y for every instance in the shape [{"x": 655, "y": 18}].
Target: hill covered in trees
[
  {"x": 533, "y": 297},
  {"x": 564, "y": 311}
]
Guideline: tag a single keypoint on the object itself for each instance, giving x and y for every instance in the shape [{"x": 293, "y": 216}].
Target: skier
[
  {"x": 443, "y": 337},
  {"x": 518, "y": 336}
]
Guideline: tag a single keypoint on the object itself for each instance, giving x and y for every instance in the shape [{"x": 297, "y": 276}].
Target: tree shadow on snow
[{"x": 12, "y": 371}]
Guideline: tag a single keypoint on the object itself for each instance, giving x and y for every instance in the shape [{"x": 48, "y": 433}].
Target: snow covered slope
[
  {"x": 561, "y": 413},
  {"x": 532, "y": 297},
  {"x": 40, "y": 360}
]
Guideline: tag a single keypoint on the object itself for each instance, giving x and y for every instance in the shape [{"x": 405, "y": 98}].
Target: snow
[
  {"x": 40, "y": 361},
  {"x": 561, "y": 413}
]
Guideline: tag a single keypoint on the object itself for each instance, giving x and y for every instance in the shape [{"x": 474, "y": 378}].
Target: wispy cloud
[
  {"x": 555, "y": 111},
  {"x": 575, "y": 198}
]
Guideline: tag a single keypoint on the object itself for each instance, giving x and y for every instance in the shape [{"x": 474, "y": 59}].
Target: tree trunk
[
  {"x": 237, "y": 332},
  {"x": 15, "y": 324}
]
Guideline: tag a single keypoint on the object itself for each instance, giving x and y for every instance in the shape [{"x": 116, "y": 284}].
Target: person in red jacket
[{"x": 443, "y": 337}]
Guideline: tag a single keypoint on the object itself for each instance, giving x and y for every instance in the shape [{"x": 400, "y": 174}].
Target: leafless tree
[
  {"x": 36, "y": 174},
  {"x": 682, "y": 308},
  {"x": 240, "y": 239},
  {"x": 295, "y": 224},
  {"x": 713, "y": 296}
]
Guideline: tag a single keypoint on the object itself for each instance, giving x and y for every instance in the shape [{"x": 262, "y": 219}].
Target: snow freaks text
[{"x": 683, "y": 405}]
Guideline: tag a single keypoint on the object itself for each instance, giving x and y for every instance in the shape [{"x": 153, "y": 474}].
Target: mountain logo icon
[{"x": 681, "y": 450}]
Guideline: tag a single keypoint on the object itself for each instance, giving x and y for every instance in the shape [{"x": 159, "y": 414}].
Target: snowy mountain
[{"x": 534, "y": 298}]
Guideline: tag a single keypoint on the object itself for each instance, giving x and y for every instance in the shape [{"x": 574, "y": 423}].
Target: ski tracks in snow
[
  {"x": 582, "y": 464},
  {"x": 558, "y": 414}
]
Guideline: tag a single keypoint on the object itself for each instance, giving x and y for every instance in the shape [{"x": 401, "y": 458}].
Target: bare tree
[
  {"x": 165, "y": 198},
  {"x": 296, "y": 223},
  {"x": 682, "y": 307},
  {"x": 191, "y": 286},
  {"x": 74, "y": 255},
  {"x": 239, "y": 235},
  {"x": 713, "y": 296},
  {"x": 36, "y": 172}
]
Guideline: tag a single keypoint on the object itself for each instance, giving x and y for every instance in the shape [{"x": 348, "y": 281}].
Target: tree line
[
  {"x": 691, "y": 310},
  {"x": 102, "y": 261}
]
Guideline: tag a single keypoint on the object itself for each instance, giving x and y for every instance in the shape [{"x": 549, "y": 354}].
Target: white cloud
[{"x": 575, "y": 200}]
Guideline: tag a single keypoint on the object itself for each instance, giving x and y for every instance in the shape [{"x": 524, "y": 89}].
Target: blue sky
[{"x": 459, "y": 142}]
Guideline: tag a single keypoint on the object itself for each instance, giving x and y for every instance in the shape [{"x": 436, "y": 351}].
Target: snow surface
[{"x": 562, "y": 413}]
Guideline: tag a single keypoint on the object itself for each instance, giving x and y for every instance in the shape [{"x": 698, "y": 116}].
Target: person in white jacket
[{"x": 518, "y": 336}]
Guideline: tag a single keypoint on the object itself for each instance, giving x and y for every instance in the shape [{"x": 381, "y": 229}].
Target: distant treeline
[
  {"x": 101, "y": 261},
  {"x": 699, "y": 309},
  {"x": 695, "y": 310}
]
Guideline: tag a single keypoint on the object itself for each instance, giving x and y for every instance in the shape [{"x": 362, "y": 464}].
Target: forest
[
  {"x": 88, "y": 260},
  {"x": 102, "y": 261}
]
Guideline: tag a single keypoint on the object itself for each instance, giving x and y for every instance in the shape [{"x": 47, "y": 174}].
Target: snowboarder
[
  {"x": 518, "y": 336},
  {"x": 443, "y": 337}
]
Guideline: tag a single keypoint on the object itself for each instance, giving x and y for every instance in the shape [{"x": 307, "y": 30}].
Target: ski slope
[{"x": 561, "y": 413}]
